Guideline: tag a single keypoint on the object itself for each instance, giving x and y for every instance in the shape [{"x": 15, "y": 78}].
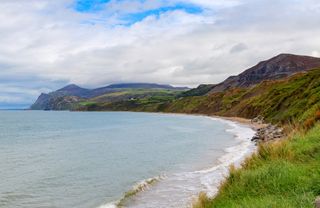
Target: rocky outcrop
[
  {"x": 268, "y": 132},
  {"x": 47, "y": 102},
  {"x": 278, "y": 67}
]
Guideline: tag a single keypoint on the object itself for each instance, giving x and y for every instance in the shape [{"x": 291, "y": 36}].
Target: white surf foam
[
  {"x": 136, "y": 189},
  {"x": 109, "y": 205},
  {"x": 178, "y": 190},
  {"x": 213, "y": 177}
]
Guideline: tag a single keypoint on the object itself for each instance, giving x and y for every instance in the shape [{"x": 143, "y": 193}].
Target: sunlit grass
[{"x": 282, "y": 174}]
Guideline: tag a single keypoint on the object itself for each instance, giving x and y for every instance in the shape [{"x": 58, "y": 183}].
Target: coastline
[
  {"x": 239, "y": 120},
  {"x": 242, "y": 130},
  {"x": 243, "y": 121}
]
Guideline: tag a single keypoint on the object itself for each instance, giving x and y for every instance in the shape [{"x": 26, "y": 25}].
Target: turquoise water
[{"x": 85, "y": 160}]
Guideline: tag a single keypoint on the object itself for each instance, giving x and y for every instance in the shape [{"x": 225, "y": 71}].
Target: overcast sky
[{"x": 46, "y": 44}]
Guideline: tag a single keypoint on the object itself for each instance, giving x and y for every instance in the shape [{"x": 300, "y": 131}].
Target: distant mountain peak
[
  {"x": 140, "y": 85},
  {"x": 278, "y": 67},
  {"x": 70, "y": 87}
]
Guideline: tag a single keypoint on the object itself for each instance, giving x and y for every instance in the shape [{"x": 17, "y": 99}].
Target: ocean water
[{"x": 90, "y": 160}]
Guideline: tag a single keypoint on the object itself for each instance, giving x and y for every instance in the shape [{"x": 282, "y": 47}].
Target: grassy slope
[
  {"x": 283, "y": 174},
  {"x": 289, "y": 100}
]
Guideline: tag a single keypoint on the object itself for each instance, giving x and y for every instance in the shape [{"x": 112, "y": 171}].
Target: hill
[{"x": 72, "y": 96}]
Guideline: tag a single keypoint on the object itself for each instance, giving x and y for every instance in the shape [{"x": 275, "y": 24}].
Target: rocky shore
[{"x": 267, "y": 132}]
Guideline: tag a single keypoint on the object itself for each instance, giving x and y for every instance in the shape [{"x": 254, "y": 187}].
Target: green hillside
[
  {"x": 130, "y": 99},
  {"x": 290, "y": 100}
]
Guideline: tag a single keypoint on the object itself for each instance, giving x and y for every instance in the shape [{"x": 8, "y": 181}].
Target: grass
[{"x": 282, "y": 174}]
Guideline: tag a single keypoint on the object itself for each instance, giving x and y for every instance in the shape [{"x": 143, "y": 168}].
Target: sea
[{"x": 115, "y": 159}]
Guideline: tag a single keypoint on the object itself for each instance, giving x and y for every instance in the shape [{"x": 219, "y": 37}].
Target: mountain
[
  {"x": 74, "y": 90},
  {"x": 69, "y": 96},
  {"x": 146, "y": 86},
  {"x": 281, "y": 66}
]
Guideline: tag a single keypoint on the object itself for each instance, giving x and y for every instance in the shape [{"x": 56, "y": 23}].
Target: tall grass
[{"x": 282, "y": 174}]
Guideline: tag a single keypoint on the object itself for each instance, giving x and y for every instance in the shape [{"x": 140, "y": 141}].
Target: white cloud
[{"x": 54, "y": 45}]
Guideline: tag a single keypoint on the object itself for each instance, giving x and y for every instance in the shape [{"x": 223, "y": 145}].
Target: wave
[
  {"x": 235, "y": 155},
  {"x": 189, "y": 184},
  {"x": 136, "y": 189}
]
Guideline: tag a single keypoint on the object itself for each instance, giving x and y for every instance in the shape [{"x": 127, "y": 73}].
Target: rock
[
  {"x": 268, "y": 133},
  {"x": 254, "y": 138},
  {"x": 317, "y": 202}
]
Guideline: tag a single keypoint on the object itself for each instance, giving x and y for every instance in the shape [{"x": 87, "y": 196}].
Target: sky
[{"x": 47, "y": 44}]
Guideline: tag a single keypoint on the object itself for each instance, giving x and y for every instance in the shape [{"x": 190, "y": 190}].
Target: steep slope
[
  {"x": 278, "y": 67},
  {"x": 287, "y": 100}
]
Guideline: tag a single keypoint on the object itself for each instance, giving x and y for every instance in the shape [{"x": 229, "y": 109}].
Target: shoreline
[
  {"x": 237, "y": 159},
  {"x": 233, "y": 155}
]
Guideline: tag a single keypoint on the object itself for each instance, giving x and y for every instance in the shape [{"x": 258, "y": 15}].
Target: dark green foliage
[{"x": 199, "y": 91}]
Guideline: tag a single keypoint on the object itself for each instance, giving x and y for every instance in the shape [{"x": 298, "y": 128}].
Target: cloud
[
  {"x": 47, "y": 44},
  {"x": 238, "y": 48}
]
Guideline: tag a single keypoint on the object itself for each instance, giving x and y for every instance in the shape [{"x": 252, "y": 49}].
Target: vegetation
[
  {"x": 199, "y": 91},
  {"x": 130, "y": 99},
  {"x": 282, "y": 174},
  {"x": 285, "y": 101},
  {"x": 285, "y": 173},
  {"x": 291, "y": 100}
]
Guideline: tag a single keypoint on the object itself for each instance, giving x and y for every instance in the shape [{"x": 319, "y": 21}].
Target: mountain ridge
[
  {"x": 63, "y": 98},
  {"x": 278, "y": 67}
]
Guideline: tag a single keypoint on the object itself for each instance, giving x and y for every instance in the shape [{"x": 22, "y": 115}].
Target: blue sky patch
[
  {"x": 137, "y": 17},
  {"x": 92, "y": 6},
  {"x": 89, "y": 5}
]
